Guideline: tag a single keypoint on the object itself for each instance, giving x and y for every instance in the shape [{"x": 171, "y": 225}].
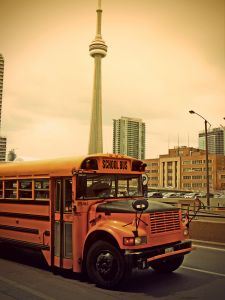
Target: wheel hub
[{"x": 104, "y": 263}]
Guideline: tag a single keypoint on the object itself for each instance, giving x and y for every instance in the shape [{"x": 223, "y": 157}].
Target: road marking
[
  {"x": 203, "y": 271},
  {"x": 25, "y": 288},
  {"x": 210, "y": 248}
]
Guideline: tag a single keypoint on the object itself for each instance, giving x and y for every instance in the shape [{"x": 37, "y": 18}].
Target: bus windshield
[{"x": 97, "y": 186}]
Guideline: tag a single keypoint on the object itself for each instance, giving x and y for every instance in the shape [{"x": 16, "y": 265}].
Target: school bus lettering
[
  {"x": 95, "y": 218},
  {"x": 123, "y": 165},
  {"x": 114, "y": 164}
]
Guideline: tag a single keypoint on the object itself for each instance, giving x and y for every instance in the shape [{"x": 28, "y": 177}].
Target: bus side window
[
  {"x": 25, "y": 189},
  {"x": 41, "y": 187},
  {"x": 58, "y": 195},
  {"x": 11, "y": 189},
  {"x": 1, "y": 189},
  {"x": 68, "y": 195}
]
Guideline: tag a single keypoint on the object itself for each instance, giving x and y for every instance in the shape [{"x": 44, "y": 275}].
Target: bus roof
[{"x": 58, "y": 166}]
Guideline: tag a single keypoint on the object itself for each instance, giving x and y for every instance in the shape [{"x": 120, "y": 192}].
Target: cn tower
[{"x": 98, "y": 50}]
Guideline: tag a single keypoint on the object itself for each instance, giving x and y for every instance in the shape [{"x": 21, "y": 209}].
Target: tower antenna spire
[
  {"x": 98, "y": 50},
  {"x": 99, "y": 4},
  {"x": 99, "y": 20}
]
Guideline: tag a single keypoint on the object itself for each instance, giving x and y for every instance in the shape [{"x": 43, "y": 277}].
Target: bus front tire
[
  {"x": 167, "y": 265},
  {"x": 105, "y": 265}
]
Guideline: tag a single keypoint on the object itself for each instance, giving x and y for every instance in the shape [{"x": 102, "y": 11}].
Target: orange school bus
[{"x": 89, "y": 214}]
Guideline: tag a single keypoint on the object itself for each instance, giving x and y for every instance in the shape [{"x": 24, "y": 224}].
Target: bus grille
[{"x": 164, "y": 221}]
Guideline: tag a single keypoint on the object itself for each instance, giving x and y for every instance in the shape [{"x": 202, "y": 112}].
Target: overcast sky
[{"x": 164, "y": 58}]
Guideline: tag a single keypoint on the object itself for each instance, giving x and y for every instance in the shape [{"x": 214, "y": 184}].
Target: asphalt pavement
[{"x": 24, "y": 275}]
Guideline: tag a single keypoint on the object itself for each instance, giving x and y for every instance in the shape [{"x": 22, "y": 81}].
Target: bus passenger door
[{"x": 62, "y": 218}]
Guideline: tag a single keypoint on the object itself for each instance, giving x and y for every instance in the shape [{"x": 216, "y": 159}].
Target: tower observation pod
[{"x": 98, "y": 50}]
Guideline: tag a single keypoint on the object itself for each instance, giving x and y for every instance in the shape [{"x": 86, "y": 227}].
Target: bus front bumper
[{"x": 142, "y": 258}]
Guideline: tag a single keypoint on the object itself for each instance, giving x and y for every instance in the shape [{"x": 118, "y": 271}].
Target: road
[{"x": 24, "y": 275}]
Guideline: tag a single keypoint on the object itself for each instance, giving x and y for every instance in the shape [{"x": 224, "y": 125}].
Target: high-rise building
[
  {"x": 98, "y": 50},
  {"x": 216, "y": 141},
  {"x": 2, "y": 148},
  {"x": 2, "y": 139},
  {"x": 129, "y": 137},
  {"x": 1, "y": 84}
]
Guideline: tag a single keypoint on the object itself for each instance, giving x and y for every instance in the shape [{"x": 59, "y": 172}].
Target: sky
[{"x": 165, "y": 57}]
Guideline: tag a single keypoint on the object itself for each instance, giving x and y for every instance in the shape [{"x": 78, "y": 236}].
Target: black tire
[
  {"x": 167, "y": 265},
  {"x": 106, "y": 266}
]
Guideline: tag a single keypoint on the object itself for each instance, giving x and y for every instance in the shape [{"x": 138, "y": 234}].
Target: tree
[{"x": 12, "y": 155}]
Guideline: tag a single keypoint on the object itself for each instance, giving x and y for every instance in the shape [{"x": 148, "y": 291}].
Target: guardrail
[{"x": 190, "y": 206}]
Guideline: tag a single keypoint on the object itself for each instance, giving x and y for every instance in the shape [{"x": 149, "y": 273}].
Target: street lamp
[{"x": 206, "y": 157}]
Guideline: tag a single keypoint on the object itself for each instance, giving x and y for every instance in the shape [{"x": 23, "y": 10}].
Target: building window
[
  {"x": 187, "y": 170},
  {"x": 154, "y": 178},
  {"x": 186, "y": 185},
  {"x": 186, "y": 162},
  {"x": 222, "y": 176},
  {"x": 197, "y": 169},
  {"x": 209, "y": 161},
  {"x": 186, "y": 177},
  {"x": 196, "y": 162},
  {"x": 210, "y": 169},
  {"x": 210, "y": 176},
  {"x": 197, "y": 184},
  {"x": 197, "y": 177}
]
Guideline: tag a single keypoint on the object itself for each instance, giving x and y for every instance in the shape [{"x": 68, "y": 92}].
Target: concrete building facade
[
  {"x": 2, "y": 148},
  {"x": 2, "y": 139},
  {"x": 184, "y": 168},
  {"x": 216, "y": 141},
  {"x": 129, "y": 137},
  {"x": 1, "y": 84}
]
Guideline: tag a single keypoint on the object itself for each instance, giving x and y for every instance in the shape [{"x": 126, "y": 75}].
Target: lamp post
[{"x": 206, "y": 156}]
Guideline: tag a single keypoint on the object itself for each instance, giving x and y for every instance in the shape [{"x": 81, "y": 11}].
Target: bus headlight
[
  {"x": 134, "y": 241},
  {"x": 185, "y": 232}
]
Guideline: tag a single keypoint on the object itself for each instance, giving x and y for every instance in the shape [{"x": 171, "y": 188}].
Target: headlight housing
[
  {"x": 134, "y": 241},
  {"x": 186, "y": 232}
]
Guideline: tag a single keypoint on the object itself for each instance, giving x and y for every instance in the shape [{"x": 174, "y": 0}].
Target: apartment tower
[
  {"x": 2, "y": 139},
  {"x": 129, "y": 137},
  {"x": 216, "y": 141}
]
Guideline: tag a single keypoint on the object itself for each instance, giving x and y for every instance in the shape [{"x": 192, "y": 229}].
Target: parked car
[
  {"x": 191, "y": 195},
  {"x": 170, "y": 195},
  {"x": 180, "y": 195},
  {"x": 154, "y": 195},
  {"x": 203, "y": 195}
]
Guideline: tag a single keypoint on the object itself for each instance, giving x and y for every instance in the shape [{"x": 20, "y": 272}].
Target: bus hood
[{"x": 125, "y": 206}]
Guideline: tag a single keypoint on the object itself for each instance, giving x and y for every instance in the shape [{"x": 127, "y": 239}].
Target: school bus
[{"x": 89, "y": 214}]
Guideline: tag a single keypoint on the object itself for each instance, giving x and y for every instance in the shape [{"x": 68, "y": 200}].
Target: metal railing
[{"x": 195, "y": 210}]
